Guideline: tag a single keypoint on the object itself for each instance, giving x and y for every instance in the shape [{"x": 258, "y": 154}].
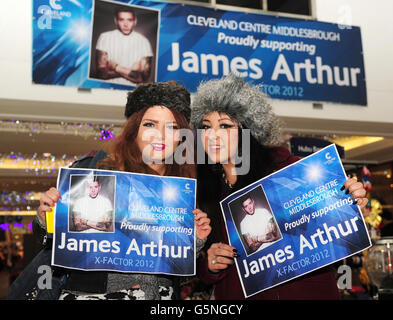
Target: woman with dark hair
[
  {"x": 156, "y": 112},
  {"x": 236, "y": 129}
]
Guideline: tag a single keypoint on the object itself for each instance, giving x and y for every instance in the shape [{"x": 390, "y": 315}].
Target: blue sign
[
  {"x": 293, "y": 222},
  {"x": 81, "y": 44},
  {"x": 109, "y": 220}
]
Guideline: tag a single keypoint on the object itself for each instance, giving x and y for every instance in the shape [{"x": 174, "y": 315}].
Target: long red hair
[{"x": 126, "y": 156}]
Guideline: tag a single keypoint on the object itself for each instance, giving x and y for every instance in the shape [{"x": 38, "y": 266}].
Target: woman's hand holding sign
[
  {"x": 48, "y": 200},
  {"x": 202, "y": 224},
  {"x": 220, "y": 256},
  {"x": 357, "y": 190}
]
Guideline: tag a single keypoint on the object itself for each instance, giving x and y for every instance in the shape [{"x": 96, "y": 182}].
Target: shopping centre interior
[{"x": 44, "y": 127}]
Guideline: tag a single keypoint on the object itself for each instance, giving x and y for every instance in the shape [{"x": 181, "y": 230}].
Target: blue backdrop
[{"x": 290, "y": 58}]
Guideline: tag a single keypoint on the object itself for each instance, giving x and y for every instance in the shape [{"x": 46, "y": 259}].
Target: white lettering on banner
[
  {"x": 314, "y": 200},
  {"x": 306, "y": 33},
  {"x": 72, "y": 244},
  {"x": 157, "y": 209},
  {"x": 288, "y": 46},
  {"x": 267, "y": 261},
  {"x": 342, "y": 76},
  {"x": 323, "y": 237},
  {"x": 154, "y": 249},
  {"x": 159, "y": 249},
  {"x": 328, "y": 231},
  {"x": 219, "y": 64},
  {"x": 246, "y": 26},
  {"x": 211, "y": 22},
  {"x": 248, "y": 41},
  {"x": 315, "y": 73},
  {"x": 255, "y": 27}
]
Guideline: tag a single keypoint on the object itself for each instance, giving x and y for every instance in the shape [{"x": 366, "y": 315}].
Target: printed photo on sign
[
  {"x": 123, "y": 43},
  {"x": 319, "y": 223},
  {"x": 120, "y": 221},
  {"x": 254, "y": 221},
  {"x": 92, "y": 208}
]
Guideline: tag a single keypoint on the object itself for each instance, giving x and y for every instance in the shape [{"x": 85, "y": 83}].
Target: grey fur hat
[
  {"x": 241, "y": 102},
  {"x": 168, "y": 94}
]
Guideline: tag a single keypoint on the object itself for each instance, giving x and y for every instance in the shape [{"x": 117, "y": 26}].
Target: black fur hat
[{"x": 168, "y": 94}]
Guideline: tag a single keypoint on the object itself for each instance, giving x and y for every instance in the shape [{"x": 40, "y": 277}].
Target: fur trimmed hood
[{"x": 245, "y": 104}]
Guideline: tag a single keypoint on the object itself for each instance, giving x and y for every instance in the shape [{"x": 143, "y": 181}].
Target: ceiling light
[{"x": 354, "y": 142}]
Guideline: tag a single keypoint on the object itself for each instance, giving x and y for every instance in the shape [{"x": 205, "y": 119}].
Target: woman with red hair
[{"x": 155, "y": 115}]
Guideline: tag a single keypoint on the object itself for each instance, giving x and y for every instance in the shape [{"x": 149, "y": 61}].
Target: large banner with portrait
[
  {"x": 293, "y": 221},
  {"x": 128, "y": 222},
  {"x": 118, "y": 44}
]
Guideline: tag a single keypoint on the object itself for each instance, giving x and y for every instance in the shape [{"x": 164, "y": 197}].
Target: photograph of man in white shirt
[
  {"x": 123, "y": 55},
  {"x": 92, "y": 212},
  {"x": 258, "y": 227}
]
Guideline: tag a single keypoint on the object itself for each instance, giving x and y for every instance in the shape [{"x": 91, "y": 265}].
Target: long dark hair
[{"x": 210, "y": 183}]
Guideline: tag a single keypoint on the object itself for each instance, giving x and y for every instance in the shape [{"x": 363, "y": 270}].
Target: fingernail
[
  {"x": 355, "y": 202},
  {"x": 235, "y": 250},
  {"x": 342, "y": 188},
  {"x": 346, "y": 191},
  {"x": 236, "y": 255}
]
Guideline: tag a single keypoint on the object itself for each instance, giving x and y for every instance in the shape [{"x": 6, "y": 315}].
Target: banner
[
  {"x": 128, "y": 222},
  {"x": 95, "y": 44},
  {"x": 293, "y": 222}
]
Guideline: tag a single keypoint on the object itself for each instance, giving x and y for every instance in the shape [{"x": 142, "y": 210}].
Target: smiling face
[
  {"x": 158, "y": 134},
  {"x": 220, "y": 137},
  {"x": 125, "y": 21}
]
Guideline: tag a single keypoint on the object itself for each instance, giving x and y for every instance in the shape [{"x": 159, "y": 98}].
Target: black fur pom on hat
[{"x": 168, "y": 94}]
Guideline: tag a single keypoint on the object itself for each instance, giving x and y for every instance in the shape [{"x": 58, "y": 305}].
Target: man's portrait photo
[
  {"x": 91, "y": 207},
  {"x": 124, "y": 43},
  {"x": 255, "y": 223}
]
